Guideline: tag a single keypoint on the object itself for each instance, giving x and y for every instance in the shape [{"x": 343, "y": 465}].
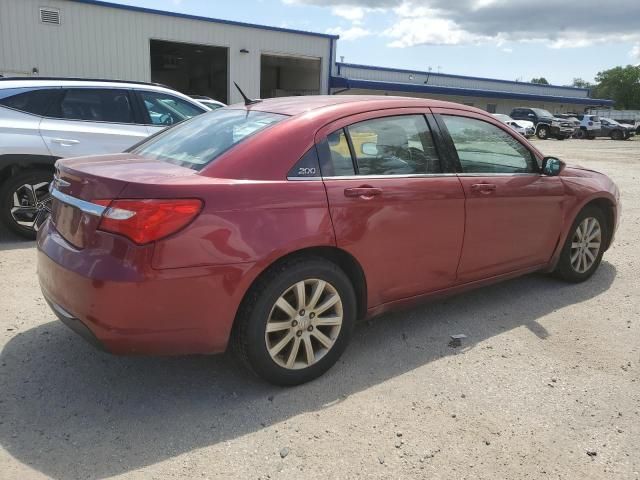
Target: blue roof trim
[
  {"x": 450, "y": 75},
  {"x": 132, "y": 8},
  {"x": 342, "y": 82}
]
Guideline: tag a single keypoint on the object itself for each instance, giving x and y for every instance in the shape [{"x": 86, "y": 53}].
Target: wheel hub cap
[
  {"x": 585, "y": 244},
  {"x": 304, "y": 324},
  {"x": 31, "y": 205}
]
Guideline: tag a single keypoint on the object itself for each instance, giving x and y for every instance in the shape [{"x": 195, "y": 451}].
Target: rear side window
[
  {"x": 307, "y": 166},
  {"x": 202, "y": 139},
  {"x": 95, "y": 105},
  {"x": 30, "y": 101},
  {"x": 394, "y": 146},
  {"x": 485, "y": 148},
  {"x": 400, "y": 145}
]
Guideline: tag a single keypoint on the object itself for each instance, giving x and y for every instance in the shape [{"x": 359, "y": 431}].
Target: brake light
[{"x": 145, "y": 221}]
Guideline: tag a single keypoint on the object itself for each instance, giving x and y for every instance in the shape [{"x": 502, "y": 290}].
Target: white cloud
[
  {"x": 347, "y": 34},
  {"x": 353, "y": 14},
  {"x": 496, "y": 22},
  {"x": 635, "y": 52}
]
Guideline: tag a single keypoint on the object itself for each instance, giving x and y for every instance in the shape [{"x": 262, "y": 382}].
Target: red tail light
[{"x": 145, "y": 221}]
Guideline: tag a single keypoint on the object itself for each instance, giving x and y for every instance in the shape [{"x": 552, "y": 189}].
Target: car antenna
[{"x": 247, "y": 101}]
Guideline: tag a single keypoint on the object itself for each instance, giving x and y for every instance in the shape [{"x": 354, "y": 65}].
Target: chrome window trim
[
  {"x": 500, "y": 174},
  {"x": 83, "y": 205},
  {"x": 416, "y": 175},
  {"x": 381, "y": 177}
]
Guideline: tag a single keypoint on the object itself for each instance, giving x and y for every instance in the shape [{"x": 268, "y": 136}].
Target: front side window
[
  {"x": 541, "y": 112},
  {"x": 202, "y": 139},
  {"x": 485, "y": 148},
  {"x": 29, "y": 101},
  {"x": 164, "y": 109}
]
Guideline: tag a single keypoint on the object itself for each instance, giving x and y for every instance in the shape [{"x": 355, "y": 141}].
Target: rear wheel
[
  {"x": 25, "y": 202},
  {"x": 543, "y": 132},
  {"x": 584, "y": 247},
  {"x": 296, "y": 321}
]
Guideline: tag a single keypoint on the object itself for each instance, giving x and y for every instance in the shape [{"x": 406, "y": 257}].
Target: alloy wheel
[
  {"x": 31, "y": 205},
  {"x": 304, "y": 324},
  {"x": 585, "y": 244}
]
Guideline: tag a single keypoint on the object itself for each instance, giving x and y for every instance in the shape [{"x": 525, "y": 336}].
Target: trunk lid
[{"x": 80, "y": 181}]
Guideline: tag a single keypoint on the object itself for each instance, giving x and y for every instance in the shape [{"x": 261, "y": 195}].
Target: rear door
[
  {"x": 513, "y": 212},
  {"x": 91, "y": 121},
  {"x": 392, "y": 206}
]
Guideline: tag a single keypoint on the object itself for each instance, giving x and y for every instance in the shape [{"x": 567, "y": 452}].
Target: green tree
[
  {"x": 580, "y": 83},
  {"x": 620, "y": 84},
  {"x": 541, "y": 81}
]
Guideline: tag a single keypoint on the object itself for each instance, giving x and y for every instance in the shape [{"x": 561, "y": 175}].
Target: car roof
[
  {"x": 19, "y": 82},
  {"x": 350, "y": 104}
]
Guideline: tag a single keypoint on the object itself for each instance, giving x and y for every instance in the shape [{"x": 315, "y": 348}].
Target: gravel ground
[{"x": 546, "y": 385}]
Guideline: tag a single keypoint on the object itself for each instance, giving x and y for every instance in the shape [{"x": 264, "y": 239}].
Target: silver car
[{"x": 44, "y": 119}]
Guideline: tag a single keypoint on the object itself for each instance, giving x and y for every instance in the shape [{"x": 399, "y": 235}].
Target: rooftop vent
[{"x": 50, "y": 16}]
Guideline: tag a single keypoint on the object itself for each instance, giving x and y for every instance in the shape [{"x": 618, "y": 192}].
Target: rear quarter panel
[{"x": 245, "y": 222}]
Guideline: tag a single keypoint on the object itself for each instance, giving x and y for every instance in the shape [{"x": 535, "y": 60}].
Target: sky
[{"x": 511, "y": 40}]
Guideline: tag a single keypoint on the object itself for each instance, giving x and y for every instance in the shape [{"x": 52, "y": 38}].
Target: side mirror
[
  {"x": 552, "y": 166},
  {"x": 369, "y": 148}
]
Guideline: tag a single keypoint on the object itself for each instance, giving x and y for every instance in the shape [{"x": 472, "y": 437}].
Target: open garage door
[
  {"x": 190, "y": 68},
  {"x": 284, "y": 76}
]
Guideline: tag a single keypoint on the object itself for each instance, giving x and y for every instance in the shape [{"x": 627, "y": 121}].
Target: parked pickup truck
[{"x": 547, "y": 126}]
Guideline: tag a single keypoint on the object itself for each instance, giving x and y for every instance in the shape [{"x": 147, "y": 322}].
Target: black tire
[
  {"x": 13, "y": 185},
  {"x": 565, "y": 270},
  {"x": 543, "y": 132},
  {"x": 617, "y": 135},
  {"x": 248, "y": 337},
  {"x": 581, "y": 134},
  {"x": 560, "y": 137}
]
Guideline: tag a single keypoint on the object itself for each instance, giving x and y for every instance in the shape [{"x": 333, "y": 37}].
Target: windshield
[
  {"x": 542, "y": 112},
  {"x": 197, "y": 142}
]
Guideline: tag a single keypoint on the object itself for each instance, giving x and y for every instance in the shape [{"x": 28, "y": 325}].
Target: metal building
[
  {"x": 204, "y": 56},
  {"x": 196, "y": 55},
  {"x": 494, "y": 96}
]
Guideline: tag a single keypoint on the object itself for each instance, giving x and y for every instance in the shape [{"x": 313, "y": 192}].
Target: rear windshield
[{"x": 200, "y": 140}]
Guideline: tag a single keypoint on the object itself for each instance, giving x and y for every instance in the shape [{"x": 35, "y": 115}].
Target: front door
[
  {"x": 513, "y": 212},
  {"x": 391, "y": 206}
]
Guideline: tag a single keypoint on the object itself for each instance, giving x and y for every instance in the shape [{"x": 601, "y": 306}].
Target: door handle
[
  {"x": 364, "y": 192},
  {"x": 484, "y": 188},
  {"x": 65, "y": 142}
]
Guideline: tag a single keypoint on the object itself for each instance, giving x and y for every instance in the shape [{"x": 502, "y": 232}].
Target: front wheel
[
  {"x": 543, "y": 132},
  {"x": 584, "y": 247},
  {"x": 616, "y": 135},
  {"x": 296, "y": 321},
  {"x": 25, "y": 202}
]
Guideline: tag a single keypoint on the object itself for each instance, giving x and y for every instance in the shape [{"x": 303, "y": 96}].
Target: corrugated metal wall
[
  {"x": 110, "y": 43},
  {"x": 443, "y": 80},
  {"x": 501, "y": 105}
]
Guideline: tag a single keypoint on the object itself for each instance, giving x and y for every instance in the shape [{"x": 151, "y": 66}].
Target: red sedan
[{"x": 275, "y": 226}]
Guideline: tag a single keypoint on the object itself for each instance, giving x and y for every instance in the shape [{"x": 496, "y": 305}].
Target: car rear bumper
[{"x": 128, "y": 309}]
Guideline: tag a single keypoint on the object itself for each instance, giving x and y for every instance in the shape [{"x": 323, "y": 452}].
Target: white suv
[
  {"x": 590, "y": 126},
  {"x": 44, "y": 119}
]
